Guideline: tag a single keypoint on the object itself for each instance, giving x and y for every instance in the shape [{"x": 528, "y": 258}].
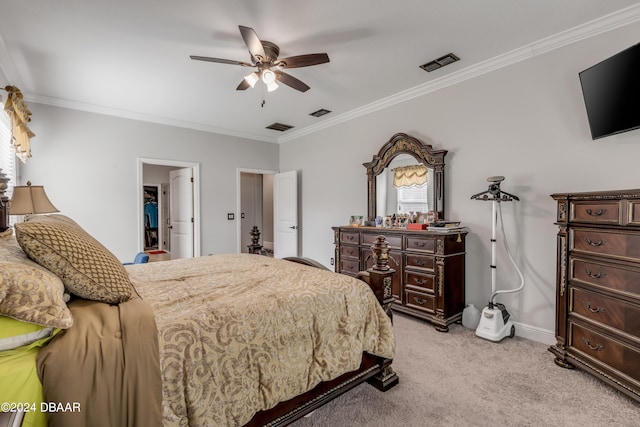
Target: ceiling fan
[{"x": 264, "y": 56}]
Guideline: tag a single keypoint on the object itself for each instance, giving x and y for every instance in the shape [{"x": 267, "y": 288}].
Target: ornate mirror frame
[{"x": 402, "y": 143}]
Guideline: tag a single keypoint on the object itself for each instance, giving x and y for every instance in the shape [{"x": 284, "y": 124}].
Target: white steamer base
[{"x": 492, "y": 326}]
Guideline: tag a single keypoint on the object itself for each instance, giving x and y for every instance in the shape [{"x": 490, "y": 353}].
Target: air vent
[
  {"x": 440, "y": 62},
  {"x": 279, "y": 127},
  {"x": 321, "y": 112}
]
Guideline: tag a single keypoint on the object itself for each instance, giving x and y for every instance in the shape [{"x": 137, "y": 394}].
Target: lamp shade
[
  {"x": 30, "y": 199},
  {"x": 252, "y": 79}
]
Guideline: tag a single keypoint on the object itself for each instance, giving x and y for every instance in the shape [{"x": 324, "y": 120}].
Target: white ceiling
[{"x": 130, "y": 58}]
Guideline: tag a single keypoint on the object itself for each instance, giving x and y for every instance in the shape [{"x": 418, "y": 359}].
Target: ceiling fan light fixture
[
  {"x": 264, "y": 57},
  {"x": 268, "y": 77},
  {"x": 252, "y": 79}
]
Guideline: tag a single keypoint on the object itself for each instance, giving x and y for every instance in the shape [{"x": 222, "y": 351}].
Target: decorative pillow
[
  {"x": 84, "y": 265},
  {"x": 14, "y": 333},
  {"x": 51, "y": 217},
  {"x": 33, "y": 294}
]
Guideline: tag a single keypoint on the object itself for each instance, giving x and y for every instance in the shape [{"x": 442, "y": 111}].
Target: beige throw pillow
[
  {"x": 29, "y": 292},
  {"x": 85, "y": 266}
]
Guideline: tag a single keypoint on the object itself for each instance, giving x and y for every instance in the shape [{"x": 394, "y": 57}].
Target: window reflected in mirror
[{"x": 403, "y": 187}]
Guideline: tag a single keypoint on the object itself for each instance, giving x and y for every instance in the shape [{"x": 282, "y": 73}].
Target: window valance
[
  {"x": 20, "y": 115},
  {"x": 409, "y": 176}
]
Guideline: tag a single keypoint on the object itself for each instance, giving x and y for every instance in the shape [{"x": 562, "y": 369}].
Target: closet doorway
[
  {"x": 154, "y": 213},
  {"x": 168, "y": 214}
]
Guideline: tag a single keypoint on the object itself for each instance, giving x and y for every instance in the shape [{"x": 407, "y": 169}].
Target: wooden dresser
[
  {"x": 598, "y": 286},
  {"x": 429, "y": 268}
]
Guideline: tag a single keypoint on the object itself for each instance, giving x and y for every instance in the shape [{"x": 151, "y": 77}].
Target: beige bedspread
[{"x": 240, "y": 333}]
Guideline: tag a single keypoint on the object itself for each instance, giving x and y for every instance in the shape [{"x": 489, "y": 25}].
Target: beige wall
[
  {"x": 526, "y": 122},
  {"x": 88, "y": 164}
]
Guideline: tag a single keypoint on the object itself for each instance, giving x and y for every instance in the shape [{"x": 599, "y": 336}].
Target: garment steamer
[{"x": 495, "y": 323}]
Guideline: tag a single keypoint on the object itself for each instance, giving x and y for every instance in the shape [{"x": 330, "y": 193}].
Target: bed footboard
[{"x": 379, "y": 279}]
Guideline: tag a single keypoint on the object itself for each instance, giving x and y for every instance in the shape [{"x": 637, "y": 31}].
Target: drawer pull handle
[
  {"x": 421, "y": 244},
  {"x": 598, "y": 275},
  {"x": 593, "y": 310},
  {"x": 350, "y": 237},
  {"x": 419, "y": 282},
  {"x": 599, "y": 212},
  {"x": 600, "y": 242},
  {"x": 420, "y": 301},
  {"x": 592, "y": 347}
]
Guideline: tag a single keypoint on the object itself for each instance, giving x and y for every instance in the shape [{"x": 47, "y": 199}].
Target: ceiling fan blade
[
  {"x": 291, "y": 81},
  {"x": 221, "y": 61},
  {"x": 244, "y": 85},
  {"x": 253, "y": 43},
  {"x": 303, "y": 60}
]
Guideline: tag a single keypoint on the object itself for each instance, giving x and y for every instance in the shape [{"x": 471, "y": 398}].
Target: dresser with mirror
[{"x": 429, "y": 277}]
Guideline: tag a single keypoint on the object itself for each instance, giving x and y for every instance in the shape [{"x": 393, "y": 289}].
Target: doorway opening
[
  {"x": 153, "y": 216},
  {"x": 255, "y": 208},
  {"x": 169, "y": 199},
  {"x": 269, "y": 201}
]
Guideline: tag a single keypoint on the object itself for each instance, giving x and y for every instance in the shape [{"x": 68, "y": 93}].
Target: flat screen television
[{"x": 611, "y": 91}]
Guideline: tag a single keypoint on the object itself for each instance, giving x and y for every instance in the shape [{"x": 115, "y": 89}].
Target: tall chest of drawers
[
  {"x": 429, "y": 277},
  {"x": 598, "y": 286}
]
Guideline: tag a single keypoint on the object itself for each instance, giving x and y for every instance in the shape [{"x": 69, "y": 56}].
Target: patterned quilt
[{"x": 239, "y": 333}]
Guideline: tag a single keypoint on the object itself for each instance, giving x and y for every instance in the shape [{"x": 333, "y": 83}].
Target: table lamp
[{"x": 30, "y": 199}]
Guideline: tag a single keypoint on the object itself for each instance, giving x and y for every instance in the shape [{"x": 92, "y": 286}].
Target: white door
[
  {"x": 181, "y": 208},
  {"x": 285, "y": 214},
  {"x": 164, "y": 202}
]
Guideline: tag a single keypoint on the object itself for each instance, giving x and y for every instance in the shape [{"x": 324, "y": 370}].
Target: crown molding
[
  {"x": 584, "y": 31},
  {"x": 73, "y": 105}
]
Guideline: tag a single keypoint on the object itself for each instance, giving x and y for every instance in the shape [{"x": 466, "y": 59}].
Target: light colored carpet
[{"x": 458, "y": 379}]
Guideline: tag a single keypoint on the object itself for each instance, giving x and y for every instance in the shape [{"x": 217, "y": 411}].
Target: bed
[{"x": 230, "y": 339}]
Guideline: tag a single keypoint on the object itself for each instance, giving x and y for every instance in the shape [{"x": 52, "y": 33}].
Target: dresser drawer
[
  {"x": 634, "y": 212},
  {"x": 394, "y": 241},
  {"x": 420, "y": 261},
  {"x": 347, "y": 251},
  {"x": 349, "y": 237},
  {"x": 600, "y": 212},
  {"x": 606, "y": 275},
  {"x": 606, "y": 243},
  {"x": 426, "y": 282},
  {"x": 605, "y": 350},
  {"x": 349, "y": 266},
  {"x": 421, "y": 244},
  {"x": 420, "y": 301},
  {"x": 605, "y": 310}
]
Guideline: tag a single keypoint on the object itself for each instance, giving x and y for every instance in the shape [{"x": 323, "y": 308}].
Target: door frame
[
  {"x": 240, "y": 171},
  {"x": 196, "y": 197}
]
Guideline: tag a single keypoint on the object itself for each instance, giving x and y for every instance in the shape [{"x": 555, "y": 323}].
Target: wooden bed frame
[{"x": 375, "y": 370}]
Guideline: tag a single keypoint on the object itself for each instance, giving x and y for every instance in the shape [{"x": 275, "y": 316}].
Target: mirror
[{"x": 400, "y": 151}]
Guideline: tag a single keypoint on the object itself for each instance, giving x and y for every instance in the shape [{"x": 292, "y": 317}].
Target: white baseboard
[
  {"x": 267, "y": 245},
  {"x": 534, "y": 333}
]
